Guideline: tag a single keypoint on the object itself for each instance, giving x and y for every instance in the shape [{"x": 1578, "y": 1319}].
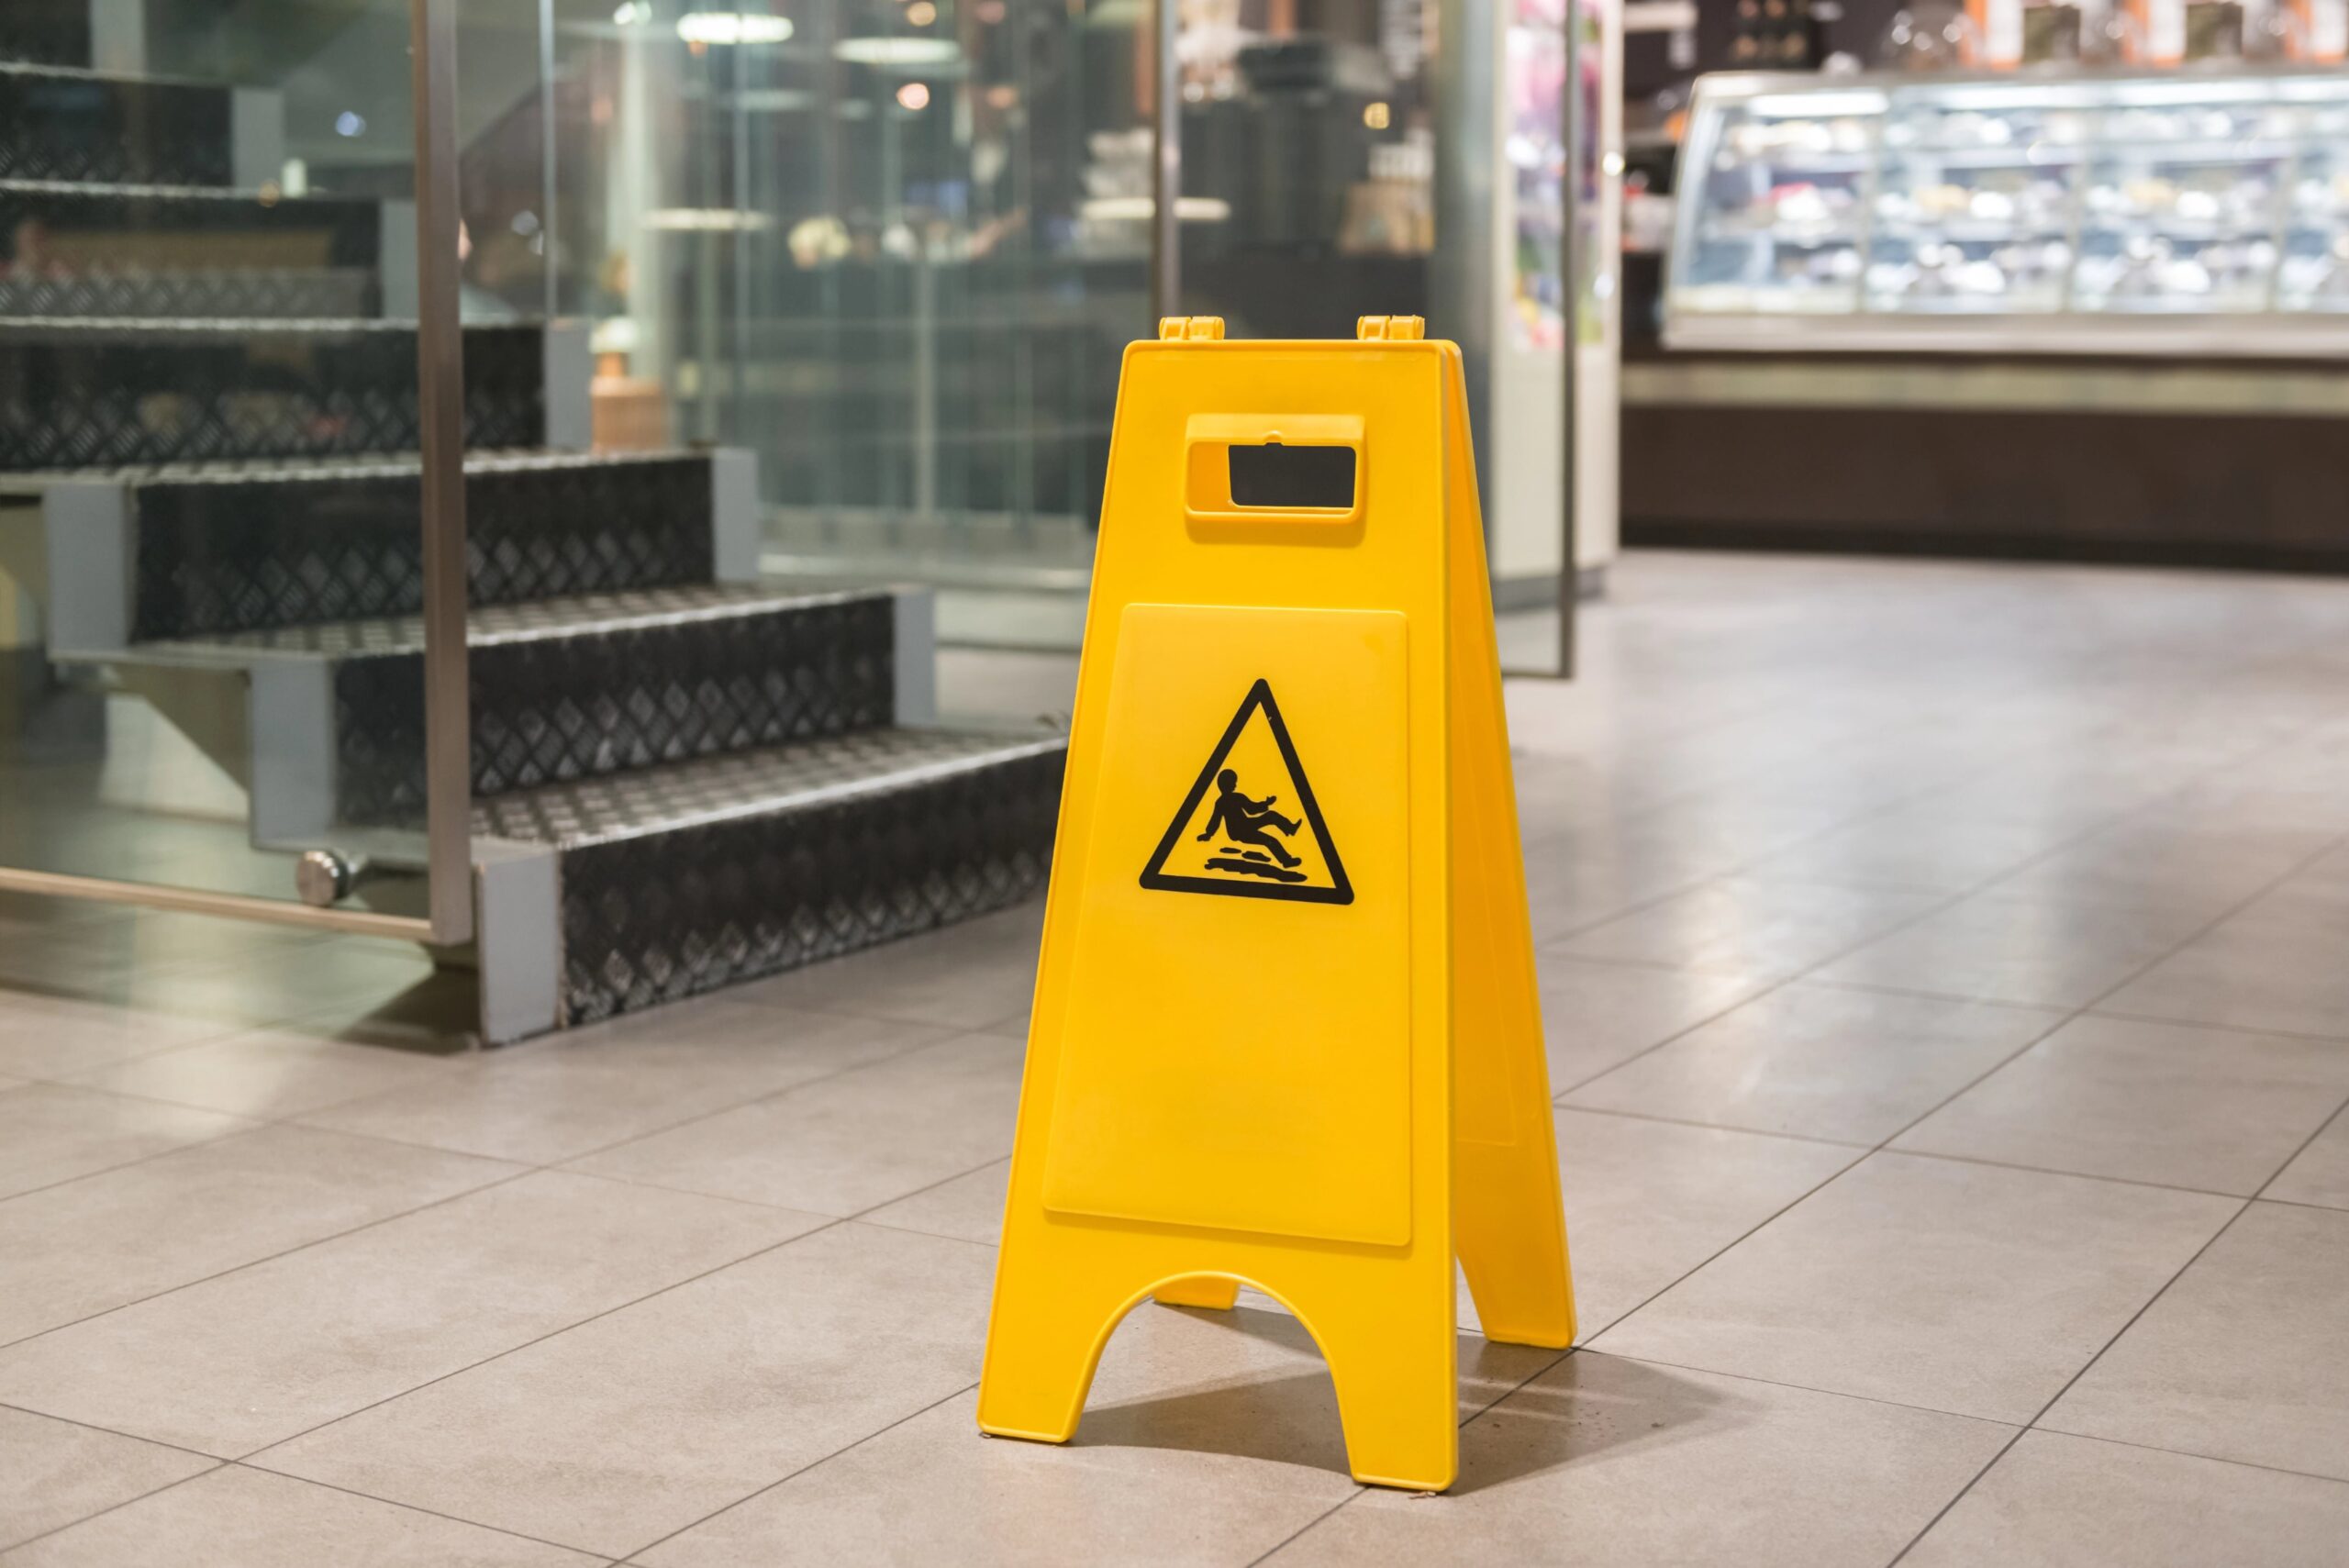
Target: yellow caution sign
[{"x": 1286, "y": 1030}]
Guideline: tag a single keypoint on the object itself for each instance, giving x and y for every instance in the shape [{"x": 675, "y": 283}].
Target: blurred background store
[{"x": 2021, "y": 280}]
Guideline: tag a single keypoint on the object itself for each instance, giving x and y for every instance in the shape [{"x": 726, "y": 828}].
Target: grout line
[
  {"x": 2004, "y": 1448},
  {"x": 2056, "y": 1170},
  {"x": 2245, "y": 1207},
  {"x": 412, "y": 1508},
  {"x": 1806, "y": 1388},
  {"x": 2191, "y": 1453},
  {"x": 1859, "y": 1144},
  {"x": 111, "y": 1432},
  {"x": 9, "y": 1548},
  {"x": 2293, "y": 1158},
  {"x": 802, "y": 1469},
  {"x": 2245, "y": 1029},
  {"x": 510, "y": 1177},
  {"x": 535, "y": 1340}
]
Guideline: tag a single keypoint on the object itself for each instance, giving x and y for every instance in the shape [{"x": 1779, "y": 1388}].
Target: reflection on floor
[{"x": 1948, "y": 1020}]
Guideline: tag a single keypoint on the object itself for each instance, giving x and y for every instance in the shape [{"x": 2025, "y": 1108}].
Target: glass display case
[{"x": 2162, "y": 213}]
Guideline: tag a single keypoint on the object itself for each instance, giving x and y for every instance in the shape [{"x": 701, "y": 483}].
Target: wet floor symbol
[{"x": 1249, "y": 825}]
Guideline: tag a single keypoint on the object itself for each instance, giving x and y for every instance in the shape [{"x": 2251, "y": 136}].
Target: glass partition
[
  {"x": 894, "y": 250},
  {"x": 1308, "y": 163},
  {"x": 208, "y": 434}
]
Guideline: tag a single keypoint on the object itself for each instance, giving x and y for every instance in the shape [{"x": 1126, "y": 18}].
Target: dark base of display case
[{"x": 2262, "y": 491}]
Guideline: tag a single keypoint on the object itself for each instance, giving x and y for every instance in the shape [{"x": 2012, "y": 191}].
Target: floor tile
[
  {"x": 269, "y": 1073},
  {"x": 1761, "y": 930},
  {"x": 255, "y": 1356},
  {"x": 1647, "y": 1202},
  {"x": 2025, "y": 951},
  {"x": 847, "y": 1143},
  {"x": 2242, "y": 1358},
  {"x": 2061, "y": 1502},
  {"x": 2320, "y": 1174},
  {"x": 1960, "y": 1287},
  {"x": 1208, "y": 1438},
  {"x": 639, "y": 1423},
  {"x": 239, "y": 1515},
  {"x": 53, "y": 1473},
  {"x": 969, "y": 1207},
  {"x": 966, "y": 977},
  {"x": 2268, "y": 968},
  {"x": 2143, "y": 1102},
  {"x": 2169, "y": 865},
  {"x": 50, "y": 1132},
  {"x": 1595, "y": 1015},
  {"x": 1819, "y": 1061},
  {"x": 1604, "y": 1460},
  {"x": 1928, "y": 845},
  {"x": 933, "y": 1490},
  {"x": 87, "y": 1246},
  {"x": 55, "y": 1037},
  {"x": 550, "y": 1100}
]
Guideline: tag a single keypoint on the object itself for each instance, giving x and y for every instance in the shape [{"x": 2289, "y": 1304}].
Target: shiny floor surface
[{"x": 1947, "y": 973}]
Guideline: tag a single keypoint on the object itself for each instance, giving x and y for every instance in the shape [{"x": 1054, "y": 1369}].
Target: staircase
[{"x": 682, "y": 775}]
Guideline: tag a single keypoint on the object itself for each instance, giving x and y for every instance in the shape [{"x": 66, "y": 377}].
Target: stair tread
[
  {"x": 229, "y": 328},
  {"x": 114, "y": 190},
  {"x": 492, "y": 624},
  {"x": 324, "y": 470},
  {"x": 706, "y": 790}
]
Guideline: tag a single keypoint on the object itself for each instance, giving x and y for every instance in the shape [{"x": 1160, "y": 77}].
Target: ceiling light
[
  {"x": 896, "y": 51},
  {"x": 732, "y": 26},
  {"x": 913, "y": 95}
]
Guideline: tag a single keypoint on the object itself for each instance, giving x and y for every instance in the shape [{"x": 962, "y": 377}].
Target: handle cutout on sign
[
  {"x": 1292, "y": 479},
  {"x": 1254, "y": 472}
]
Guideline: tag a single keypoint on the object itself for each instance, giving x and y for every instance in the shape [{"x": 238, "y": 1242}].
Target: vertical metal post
[
  {"x": 547, "y": 128},
  {"x": 1572, "y": 135},
  {"x": 440, "y": 407},
  {"x": 1165, "y": 164}
]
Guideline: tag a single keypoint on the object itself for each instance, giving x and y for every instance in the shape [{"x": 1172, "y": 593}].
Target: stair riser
[
  {"x": 119, "y": 398},
  {"x": 46, "y": 32},
  {"x": 579, "y": 707},
  {"x": 117, "y": 130},
  {"x": 674, "y": 915},
  {"x": 221, "y": 558},
  {"x": 184, "y": 257}
]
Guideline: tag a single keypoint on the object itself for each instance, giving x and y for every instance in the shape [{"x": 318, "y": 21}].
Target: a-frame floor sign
[{"x": 1286, "y": 1031}]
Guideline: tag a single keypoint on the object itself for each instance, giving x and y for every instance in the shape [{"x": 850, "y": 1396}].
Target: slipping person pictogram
[
  {"x": 1244, "y": 820},
  {"x": 1253, "y": 849}
]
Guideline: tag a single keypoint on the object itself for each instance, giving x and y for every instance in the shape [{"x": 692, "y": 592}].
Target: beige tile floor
[{"x": 1944, "y": 978}]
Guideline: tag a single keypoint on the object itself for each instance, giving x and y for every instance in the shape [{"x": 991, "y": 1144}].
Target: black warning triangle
[{"x": 1249, "y": 849}]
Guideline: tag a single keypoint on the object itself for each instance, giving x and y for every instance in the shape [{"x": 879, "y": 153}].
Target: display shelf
[{"x": 2104, "y": 211}]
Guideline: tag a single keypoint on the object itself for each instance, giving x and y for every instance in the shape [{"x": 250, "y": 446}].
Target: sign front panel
[{"x": 1236, "y": 1050}]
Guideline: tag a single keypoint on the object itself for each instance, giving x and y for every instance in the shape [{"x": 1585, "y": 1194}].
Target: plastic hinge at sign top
[{"x": 1190, "y": 328}]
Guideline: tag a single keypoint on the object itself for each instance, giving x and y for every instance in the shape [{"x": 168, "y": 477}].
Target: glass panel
[
  {"x": 1973, "y": 209},
  {"x": 895, "y": 250},
  {"x": 1308, "y": 163},
  {"x": 208, "y": 417},
  {"x": 1773, "y": 218},
  {"x": 2181, "y": 206}
]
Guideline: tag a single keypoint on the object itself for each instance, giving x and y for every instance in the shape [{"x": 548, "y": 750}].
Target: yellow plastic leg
[
  {"x": 1043, "y": 1343},
  {"x": 1393, "y": 1355},
  {"x": 1210, "y": 1291}
]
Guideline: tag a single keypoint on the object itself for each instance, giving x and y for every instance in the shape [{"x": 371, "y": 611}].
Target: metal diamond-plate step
[
  {"x": 566, "y": 690},
  {"x": 201, "y": 252},
  {"x": 104, "y": 393},
  {"x": 58, "y": 123},
  {"x": 216, "y": 549},
  {"x": 619, "y": 893}
]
